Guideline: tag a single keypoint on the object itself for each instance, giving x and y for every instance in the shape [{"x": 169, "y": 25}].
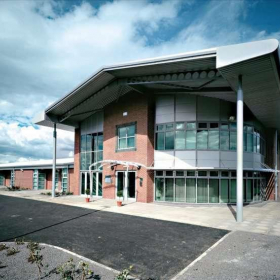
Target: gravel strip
[{"x": 17, "y": 266}]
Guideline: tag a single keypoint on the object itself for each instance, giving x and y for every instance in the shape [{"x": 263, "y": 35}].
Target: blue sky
[{"x": 48, "y": 47}]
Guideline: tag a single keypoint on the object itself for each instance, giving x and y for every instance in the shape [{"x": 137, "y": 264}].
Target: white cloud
[{"x": 45, "y": 51}]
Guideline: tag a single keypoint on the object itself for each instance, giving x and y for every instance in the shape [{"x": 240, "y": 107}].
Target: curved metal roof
[{"x": 189, "y": 73}]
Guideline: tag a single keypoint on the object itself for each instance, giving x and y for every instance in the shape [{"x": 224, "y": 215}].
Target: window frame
[{"x": 125, "y": 125}]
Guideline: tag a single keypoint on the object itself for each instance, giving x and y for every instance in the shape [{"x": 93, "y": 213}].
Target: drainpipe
[
  {"x": 54, "y": 160},
  {"x": 239, "y": 208},
  {"x": 276, "y": 159}
]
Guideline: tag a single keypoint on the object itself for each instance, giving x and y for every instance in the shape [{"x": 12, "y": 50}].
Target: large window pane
[
  {"x": 160, "y": 141},
  {"x": 214, "y": 190},
  {"x": 258, "y": 145},
  {"x": 256, "y": 189},
  {"x": 83, "y": 161},
  {"x": 131, "y": 142},
  {"x": 89, "y": 143},
  {"x": 225, "y": 140},
  {"x": 94, "y": 183},
  {"x": 131, "y": 130},
  {"x": 190, "y": 139},
  {"x": 122, "y": 143},
  {"x": 191, "y": 125},
  {"x": 169, "y": 189},
  {"x": 180, "y": 140},
  {"x": 233, "y": 140},
  {"x": 224, "y": 190},
  {"x": 180, "y": 189},
  {"x": 213, "y": 143},
  {"x": 100, "y": 142},
  {"x": 233, "y": 191},
  {"x": 202, "y": 191},
  {"x": 169, "y": 140},
  {"x": 83, "y": 143},
  {"x": 244, "y": 141},
  {"x": 190, "y": 190},
  {"x": 202, "y": 136},
  {"x": 122, "y": 132},
  {"x": 250, "y": 142}
]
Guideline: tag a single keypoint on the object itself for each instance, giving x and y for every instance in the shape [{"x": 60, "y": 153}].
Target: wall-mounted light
[
  {"x": 139, "y": 167},
  {"x": 124, "y": 114},
  {"x": 231, "y": 118},
  {"x": 112, "y": 167}
]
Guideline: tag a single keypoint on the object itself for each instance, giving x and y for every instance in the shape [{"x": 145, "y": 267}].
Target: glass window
[
  {"x": 224, "y": 140},
  {"x": 202, "y": 125},
  {"x": 250, "y": 129},
  {"x": 233, "y": 141},
  {"x": 214, "y": 125},
  {"x": 190, "y": 190},
  {"x": 250, "y": 142},
  {"x": 180, "y": 125},
  {"x": 202, "y": 173},
  {"x": 179, "y": 173},
  {"x": 160, "y": 141},
  {"x": 191, "y": 173},
  {"x": 89, "y": 142},
  {"x": 244, "y": 141},
  {"x": 160, "y": 127},
  {"x": 83, "y": 143},
  {"x": 159, "y": 173},
  {"x": 190, "y": 139},
  {"x": 214, "y": 190},
  {"x": 225, "y": 174},
  {"x": 180, "y": 189},
  {"x": 258, "y": 144},
  {"x": 255, "y": 143},
  {"x": 224, "y": 126},
  {"x": 233, "y": 173},
  {"x": 159, "y": 189},
  {"x": 191, "y": 125},
  {"x": 202, "y": 191},
  {"x": 169, "y": 126},
  {"x": 224, "y": 190},
  {"x": 213, "y": 140},
  {"x": 126, "y": 137},
  {"x": 249, "y": 190},
  {"x": 180, "y": 140},
  {"x": 233, "y": 191},
  {"x": 169, "y": 140},
  {"x": 232, "y": 126},
  {"x": 169, "y": 173},
  {"x": 100, "y": 142},
  {"x": 214, "y": 173},
  {"x": 202, "y": 136},
  {"x": 169, "y": 189}
]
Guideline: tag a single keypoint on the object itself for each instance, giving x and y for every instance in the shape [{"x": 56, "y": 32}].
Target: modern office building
[
  {"x": 197, "y": 127},
  {"x": 37, "y": 175}
]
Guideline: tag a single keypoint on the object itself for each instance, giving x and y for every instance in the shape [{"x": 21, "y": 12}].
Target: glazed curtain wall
[
  {"x": 207, "y": 136},
  {"x": 206, "y": 186}
]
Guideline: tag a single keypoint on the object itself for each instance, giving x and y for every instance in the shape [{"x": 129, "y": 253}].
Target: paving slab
[{"x": 241, "y": 255}]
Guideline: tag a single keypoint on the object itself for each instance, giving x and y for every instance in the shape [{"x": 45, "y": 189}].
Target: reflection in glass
[
  {"x": 202, "y": 191},
  {"x": 190, "y": 190},
  {"x": 169, "y": 189},
  {"x": 159, "y": 189},
  {"x": 214, "y": 190},
  {"x": 224, "y": 190},
  {"x": 180, "y": 189}
]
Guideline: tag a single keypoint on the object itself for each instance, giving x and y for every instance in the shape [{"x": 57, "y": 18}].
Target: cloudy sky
[{"x": 48, "y": 47}]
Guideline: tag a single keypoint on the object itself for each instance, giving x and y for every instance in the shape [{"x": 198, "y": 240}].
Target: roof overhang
[{"x": 212, "y": 73}]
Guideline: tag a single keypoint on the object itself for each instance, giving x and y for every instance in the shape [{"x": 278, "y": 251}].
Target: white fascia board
[{"x": 233, "y": 54}]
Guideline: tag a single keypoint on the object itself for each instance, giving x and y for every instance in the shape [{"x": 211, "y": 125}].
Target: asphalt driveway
[{"x": 156, "y": 249}]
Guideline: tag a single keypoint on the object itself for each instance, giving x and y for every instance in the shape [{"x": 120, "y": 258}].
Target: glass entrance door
[
  {"x": 130, "y": 190},
  {"x": 85, "y": 182},
  {"x": 96, "y": 183}
]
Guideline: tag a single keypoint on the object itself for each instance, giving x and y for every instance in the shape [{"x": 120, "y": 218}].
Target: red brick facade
[
  {"x": 75, "y": 178},
  {"x": 24, "y": 179},
  {"x": 139, "y": 110}
]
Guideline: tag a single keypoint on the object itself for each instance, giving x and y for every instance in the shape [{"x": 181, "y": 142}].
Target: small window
[
  {"x": 233, "y": 174},
  {"x": 159, "y": 173},
  {"x": 169, "y": 126},
  {"x": 179, "y": 173},
  {"x": 225, "y": 174},
  {"x": 202, "y": 125},
  {"x": 160, "y": 127},
  {"x": 190, "y": 173},
  {"x": 169, "y": 173},
  {"x": 180, "y": 125},
  {"x": 126, "y": 137},
  {"x": 214, "y": 125},
  {"x": 191, "y": 125},
  {"x": 214, "y": 173},
  {"x": 224, "y": 126},
  {"x": 202, "y": 173}
]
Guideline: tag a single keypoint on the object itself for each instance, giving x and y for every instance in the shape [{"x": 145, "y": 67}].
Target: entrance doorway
[
  {"x": 94, "y": 178},
  {"x": 129, "y": 191}
]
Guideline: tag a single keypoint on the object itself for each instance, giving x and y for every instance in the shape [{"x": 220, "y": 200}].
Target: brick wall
[
  {"x": 71, "y": 180},
  {"x": 24, "y": 179},
  {"x": 140, "y": 109}
]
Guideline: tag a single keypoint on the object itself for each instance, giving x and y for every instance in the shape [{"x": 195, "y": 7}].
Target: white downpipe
[
  {"x": 239, "y": 205},
  {"x": 276, "y": 163},
  {"x": 54, "y": 160}
]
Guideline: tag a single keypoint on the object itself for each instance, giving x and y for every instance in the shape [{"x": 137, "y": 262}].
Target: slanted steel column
[
  {"x": 239, "y": 205},
  {"x": 54, "y": 160},
  {"x": 276, "y": 163}
]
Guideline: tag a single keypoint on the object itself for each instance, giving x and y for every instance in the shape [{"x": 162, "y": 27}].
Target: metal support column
[
  {"x": 54, "y": 160},
  {"x": 276, "y": 163},
  {"x": 239, "y": 205}
]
